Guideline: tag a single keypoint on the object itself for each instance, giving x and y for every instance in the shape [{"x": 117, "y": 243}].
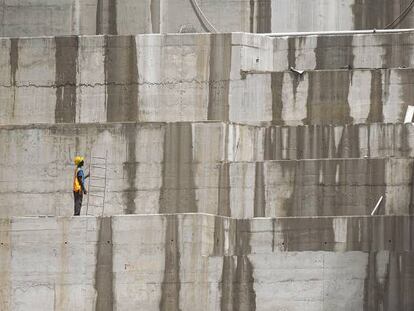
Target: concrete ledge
[
  {"x": 192, "y": 77},
  {"x": 166, "y": 260},
  {"x": 339, "y": 51},
  {"x": 342, "y": 96},
  {"x": 339, "y": 141}
]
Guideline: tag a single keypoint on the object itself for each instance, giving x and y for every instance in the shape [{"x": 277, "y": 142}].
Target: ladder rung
[
  {"x": 100, "y": 187},
  {"x": 93, "y": 205},
  {"x": 96, "y": 195},
  {"x": 97, "y": 177},
  {"x": 98, "y": 158},
  {"x": 97, "y": 166}
]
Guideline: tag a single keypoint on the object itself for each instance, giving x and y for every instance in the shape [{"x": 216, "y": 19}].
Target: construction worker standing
[{"x": 79, "y": 188}]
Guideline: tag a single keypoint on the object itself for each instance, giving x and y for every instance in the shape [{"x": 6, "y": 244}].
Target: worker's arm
[{"x": 81, "y": 180}]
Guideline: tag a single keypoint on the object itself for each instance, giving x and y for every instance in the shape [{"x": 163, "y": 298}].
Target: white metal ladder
[{"x": 97, "y": 182}]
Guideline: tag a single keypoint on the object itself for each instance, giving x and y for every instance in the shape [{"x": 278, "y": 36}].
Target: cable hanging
[
  {"x": 202, "y": 18},
  {"x": 401, "y": 17}
]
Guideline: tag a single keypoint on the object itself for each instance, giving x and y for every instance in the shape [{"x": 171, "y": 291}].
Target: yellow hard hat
[{"x": 78, "y": 160}]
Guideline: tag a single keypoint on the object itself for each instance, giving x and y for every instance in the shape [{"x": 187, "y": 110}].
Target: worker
[{"x": 79, "y": 188}]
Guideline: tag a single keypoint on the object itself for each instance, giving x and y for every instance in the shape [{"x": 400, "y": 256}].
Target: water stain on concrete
[
  {"x": 348, "y": 146},
  {"x": 251, "y": 17},
  {"x": 219, "y": 82},
  {"x": 327, "y": 99},
  {"x": 155, "y": 8},
  {"x": 227, "y": 283},
  {"x": 171, "y": 284},
  {"x": 121, "y": 78},
  {"x": 373, "y": 14},
  {"x": 66, "y": 57},
  {"x": 334, "y": 53},
  {"x": 244, "y": 298},
  {"x": 177, "y": 193},
  {"x": 106, "y": 17},
  {"x": 376, "y": 105},
  {"x": 104, "y": 266},
  {"x": 14, "y": 65},
  {"x": 224, "y": 190},
  {"x": 264, "y": 16},
  {"x": 259, "y": 191},
  {"x": 277, "y": 102},
  {"x": 130, "y": 168}
]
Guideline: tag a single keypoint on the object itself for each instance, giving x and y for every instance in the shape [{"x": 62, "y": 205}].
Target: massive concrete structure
[
  {"x": 242, "y": 168},
  {"x": 89, "y": 17}
]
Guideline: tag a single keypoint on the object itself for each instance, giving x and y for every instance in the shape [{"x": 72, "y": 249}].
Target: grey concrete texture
[
  {"x": 144, "y": 160},
  {"x": 235, "y": 77},
  {"x": 88, "y": 17},
  {"x": 134, "y": 78},
  {"x": 339, "y": 141},
  {"x": 341, "y": 96},
  {"x": 202, "y": 262},
  {"x": 356, "y": 51},
  {"x": 209, "y": 167}
]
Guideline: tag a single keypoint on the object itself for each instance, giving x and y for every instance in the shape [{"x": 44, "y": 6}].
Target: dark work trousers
[{"x": 78, "y": 197}]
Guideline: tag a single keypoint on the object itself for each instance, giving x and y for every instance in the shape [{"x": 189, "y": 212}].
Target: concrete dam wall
[
  {"x": 241, "y": 167},
  {"x": 89, "y": 17},
  {"x": 205, "y": 262},
  {"x": 210, "y": 167}
]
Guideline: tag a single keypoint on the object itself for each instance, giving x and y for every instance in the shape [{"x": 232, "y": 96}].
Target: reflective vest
[{"x": 76, "y": 185}]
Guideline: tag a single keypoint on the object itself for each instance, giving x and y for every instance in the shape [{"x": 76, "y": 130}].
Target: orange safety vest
[{"x": 76, "y": 185}]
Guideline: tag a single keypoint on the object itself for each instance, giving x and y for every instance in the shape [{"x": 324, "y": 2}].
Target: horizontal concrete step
[
  {"x": 237, "y": 189},
  {"x": 45, "y": 18},
  {"x": 337, "y": 141},
  {"x": 191, "y": 77},
  {"x": 211, "y": 259},
  {"x": 342, "y": 96},
  {"x": 339, "y": 51}
]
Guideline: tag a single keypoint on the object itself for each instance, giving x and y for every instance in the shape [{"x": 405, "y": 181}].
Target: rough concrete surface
[
  {"x": 209, "y": 167},
  {"x": 234, "y": 181},
  {"x": 134, "y": 78},
  {"x": 202, "y": 262},
  {"x": 86, "y": 17}
]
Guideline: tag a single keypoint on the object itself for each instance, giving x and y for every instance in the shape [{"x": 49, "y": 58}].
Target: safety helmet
[{"x": 78, "y": 160}]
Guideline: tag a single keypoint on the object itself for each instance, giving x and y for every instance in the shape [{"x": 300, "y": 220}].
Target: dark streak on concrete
[
  {"x": 376, "y": 175},
  {"x": 224, "y": 190},
  {"x": 130, "y": 168},
  {"x": 104, "y": 266},
  {"x": 171, "y": 284},
  {"x": 106, "y": 17},
  {"x": 218, "y": 248},
  {"x": 394, "y": 291},
  {"x": 332, "y": 106},
  {"x": 370, "y": 14},
  {"x": 259, "y": 191},
  {"x": 177, "y": 194},
  {"x": 348, "y": 146},
  {"x": 66, "y": 57},
  {"x": 155, "y": 15},
  {"x": 220, "y": 66},
  {"x": 375, "y": 111},
  {"x": 251, "y": 18},
  {"x": 264, "y": 16},
  {"x": 406, "y": 78},
  {"x": 121, "y": 77},
  {"x": 334, "y": 54},
  {"x": 227, "y": 284},
  {"x": 14, "y": 65},
  {"x": 277, "y": 102},
  {"x": 244, "y": 298},
  {"x": 292, "y": 52}
]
